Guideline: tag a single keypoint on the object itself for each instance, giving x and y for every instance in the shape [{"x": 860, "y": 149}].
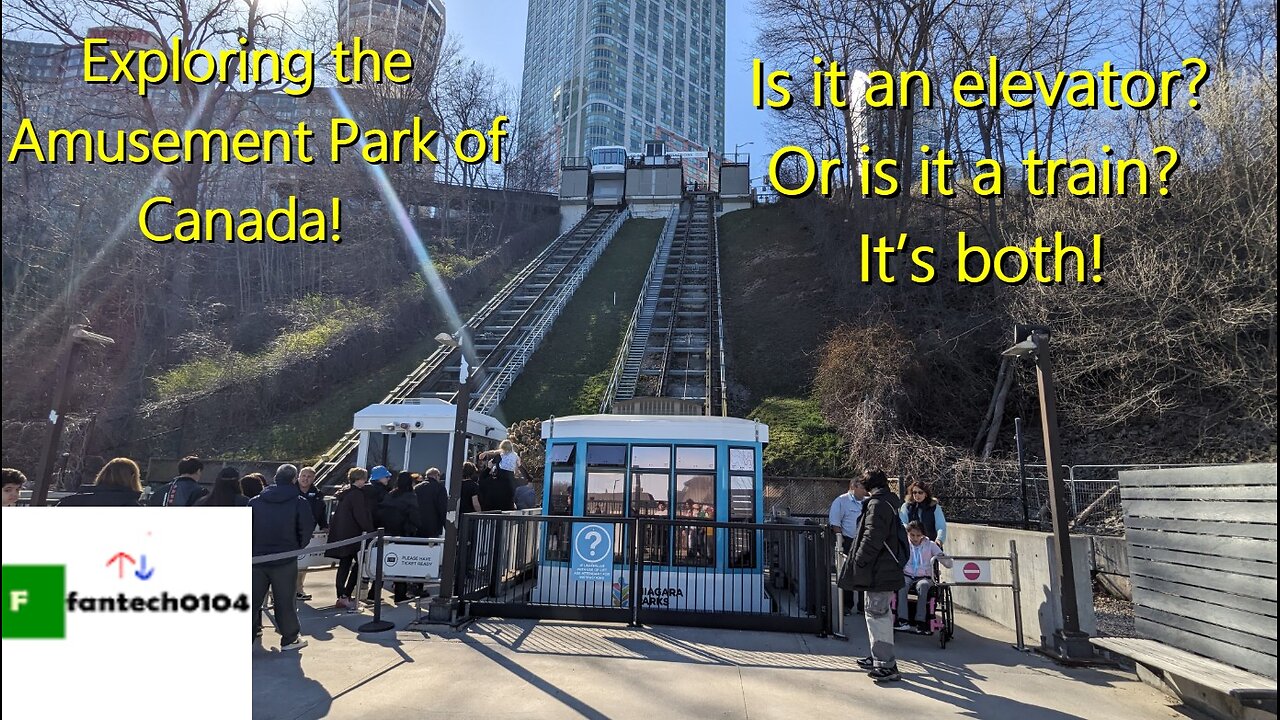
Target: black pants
[
  {"x": 281, "y": 578},
  {"x": 347, "y": 576},
  {"x": 846, "y": 545}
]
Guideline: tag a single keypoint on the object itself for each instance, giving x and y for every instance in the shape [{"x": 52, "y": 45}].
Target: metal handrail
[{"x": 724, "y": 387}]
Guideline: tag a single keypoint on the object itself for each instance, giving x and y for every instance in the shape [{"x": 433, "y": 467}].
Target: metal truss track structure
[
  {"x": 502, "y": 335},
  {"x": 672, "y": 358}
]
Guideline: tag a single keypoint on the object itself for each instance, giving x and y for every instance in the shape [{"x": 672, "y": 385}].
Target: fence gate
[{"x": 647, "y": 570}]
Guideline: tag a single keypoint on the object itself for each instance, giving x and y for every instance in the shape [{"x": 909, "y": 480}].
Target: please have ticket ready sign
[{"x": 126, "y": 612}]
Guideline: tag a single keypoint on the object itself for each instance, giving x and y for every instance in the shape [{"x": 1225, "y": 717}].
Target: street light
[
  {"x": 77, "y": 335},
  {"x": 1069, "y": 643},
  {"x": 741, "y": 145},
  {"x": 444, "y": 607}
]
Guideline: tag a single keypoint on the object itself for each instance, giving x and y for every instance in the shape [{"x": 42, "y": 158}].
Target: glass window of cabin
[
  {"x": 609, "y": 455},
  {"x": 650, "y": 499},
  {"x": 695, "y": 499},
  {"x": 742, "y": 508},
  {"x": 696, "y": 458},
  {"x": 562, "y": 453},
  {"x": 606, "y": 493},
  {"x": 651, "y": 457},
  {"x": 742, "y": 460},
  {"x": 558, "y": 533}
]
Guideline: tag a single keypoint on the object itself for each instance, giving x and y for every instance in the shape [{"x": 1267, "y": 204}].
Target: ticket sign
[
  {"x": 971, "y": 571},
  {"x": 592, "y": 559},
  {"x": 403, "y": 560}
]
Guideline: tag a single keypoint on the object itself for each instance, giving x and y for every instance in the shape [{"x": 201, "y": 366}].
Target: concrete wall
[
  {"x": 574, "y": 183},
  {"x": 570, "y": 214},
  {"x": 659, "y": 210},
  {"x": 1041, "y": 613},
  {"x": 656, "y": 182},
  {"x": 735, "y": 181}
]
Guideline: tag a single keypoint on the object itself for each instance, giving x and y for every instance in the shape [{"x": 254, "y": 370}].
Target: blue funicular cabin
[
  {"x": 657, "y": 471},
  {"x": 418, "y": 434}
]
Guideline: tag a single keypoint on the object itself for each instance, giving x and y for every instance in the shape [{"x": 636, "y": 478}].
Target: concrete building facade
[{"x": 625, "y": 72}]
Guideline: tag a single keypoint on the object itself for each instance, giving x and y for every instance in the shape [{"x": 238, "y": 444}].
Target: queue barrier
[{"x": 375, "y": 625}]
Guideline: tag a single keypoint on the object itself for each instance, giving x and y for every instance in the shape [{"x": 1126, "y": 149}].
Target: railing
[
  {"x": 723, "y": 390},
  {"x": 662, "y": 571},
  {"x": 620, "y": 363}
]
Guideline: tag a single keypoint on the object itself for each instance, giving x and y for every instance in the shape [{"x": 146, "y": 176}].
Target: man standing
[
  {"x": 843, "y": 519},
  {"x": 313, "y": 496},
  {"x": 182, "y": 491},
  {"x": 880, "y": 549},
  {"x": 433, "y": 504},
  {"x": 282, "y": 522}
]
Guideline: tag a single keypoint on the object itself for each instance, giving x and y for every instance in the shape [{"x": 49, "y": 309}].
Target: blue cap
[{"x": 379, "y": 473}]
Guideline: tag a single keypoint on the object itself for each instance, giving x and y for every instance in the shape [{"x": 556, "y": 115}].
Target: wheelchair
[{"x": 941, "y": 613}]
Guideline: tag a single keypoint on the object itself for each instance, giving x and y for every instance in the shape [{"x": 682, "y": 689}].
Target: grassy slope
[
  {"x": 571, "y": 369},
  {"x": 308, "y": 432},
  {"x": 777, "y": 307}
]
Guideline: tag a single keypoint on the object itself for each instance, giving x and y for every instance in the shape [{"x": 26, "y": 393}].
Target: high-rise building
[
  {"x": 413, "y": 25},
  {"x": 625, "y": 72}
]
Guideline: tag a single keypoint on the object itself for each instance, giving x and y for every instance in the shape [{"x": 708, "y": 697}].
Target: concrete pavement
[{"x": 531, "y": 669}]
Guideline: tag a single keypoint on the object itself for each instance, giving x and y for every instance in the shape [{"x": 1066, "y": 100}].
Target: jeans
[
  {"x": 880, "y": 629},
  {"x": 347, "y": 576},
  {"x": 923, "y": 586},
  {"x": 281, "y": 578}
]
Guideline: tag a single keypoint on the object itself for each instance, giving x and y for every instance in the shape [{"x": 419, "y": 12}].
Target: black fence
[{"x": 768, "y": 576}]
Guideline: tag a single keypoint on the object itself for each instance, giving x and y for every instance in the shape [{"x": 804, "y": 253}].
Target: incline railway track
[
  {"x": 672, "y": 361},
  {"x": 501, "y": 336}
]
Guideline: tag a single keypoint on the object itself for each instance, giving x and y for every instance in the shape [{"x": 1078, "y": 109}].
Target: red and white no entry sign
[{"x": 974, "y": 571}]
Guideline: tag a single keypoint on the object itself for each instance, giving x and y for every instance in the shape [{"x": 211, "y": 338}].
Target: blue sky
[{"x": 493, "y": 31}]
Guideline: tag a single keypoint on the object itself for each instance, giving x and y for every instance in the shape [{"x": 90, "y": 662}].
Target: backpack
[{"x": 158, "y": 495}]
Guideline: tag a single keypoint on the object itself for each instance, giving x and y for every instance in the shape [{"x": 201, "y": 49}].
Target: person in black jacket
[
  {"x": 402, "y": 520},
  {"x": 433, "y": 504},
  {"x": 282, "y": 522},
  {"x": 352, "y": 518},
  {"x": 879, "y": 553},
  {"x": 313, "y": 496},
  {"x": 496, "y": 491},
  {"x": 226, "y": 491},
  {"x": 377, "y": 490},
  {"x": 182, "y": 491},
  {"x": 117, "y": 485}
]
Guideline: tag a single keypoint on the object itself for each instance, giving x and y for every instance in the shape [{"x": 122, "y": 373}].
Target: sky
[{"x": 492, "y": 31}]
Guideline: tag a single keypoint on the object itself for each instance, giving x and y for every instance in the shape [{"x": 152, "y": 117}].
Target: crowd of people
[
  {"x": 890, "y": 546},
  {"x": 288, "y": 511}
]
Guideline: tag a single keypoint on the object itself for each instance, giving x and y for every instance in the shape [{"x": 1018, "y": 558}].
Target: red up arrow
[{"x": 120, "y": 558}]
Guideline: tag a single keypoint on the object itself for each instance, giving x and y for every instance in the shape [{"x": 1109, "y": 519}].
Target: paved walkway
[{"x": 530, "y": 669}]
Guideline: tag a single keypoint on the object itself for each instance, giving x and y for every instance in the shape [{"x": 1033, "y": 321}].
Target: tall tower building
[
  {"x": 413, "y": 25},
  {"x": 625, "y": 72}
]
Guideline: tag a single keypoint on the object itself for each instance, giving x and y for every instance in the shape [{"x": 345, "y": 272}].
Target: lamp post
[
  {"x": 1069, "y": 643},
  {"x": 444, "y": 607},
  {"x": 741, "y": 145},
  {"x": 77, "y": 335}
]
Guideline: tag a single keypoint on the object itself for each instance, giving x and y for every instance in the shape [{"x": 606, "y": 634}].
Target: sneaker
[
  {"x": 924, "y": 629},
  {"x": 867, "y": 663},
  {"x": 303, "y": 596},
  {"x": 295, "y": 644},
  {"x": 885, "y": 674},
  {"x": 901, "y": 625},
  {"x": 342, "y": 603}
]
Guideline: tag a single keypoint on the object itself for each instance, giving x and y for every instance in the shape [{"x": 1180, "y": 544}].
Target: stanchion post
[
  {"x": 377, "y": 624},
  {"x": 1017, "y": 593},
  {"x": 634, "y": 597}
]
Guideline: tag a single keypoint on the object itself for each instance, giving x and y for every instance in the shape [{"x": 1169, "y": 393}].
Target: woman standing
[
  {"x": 118, "y": 484},
  {"x": 402, "y": 520},
  {"x": 922, "y": 507},
  {"x": 352, "y": 518},
  {"x": 252, "y": 484},
  {"x": 226, "y": 491}
]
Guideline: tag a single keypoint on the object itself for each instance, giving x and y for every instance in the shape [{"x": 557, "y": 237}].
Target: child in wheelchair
[{"x": 918, "y": 580}]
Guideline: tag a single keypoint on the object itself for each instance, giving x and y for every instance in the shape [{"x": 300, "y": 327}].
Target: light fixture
[{"x": 447, "y": 339}]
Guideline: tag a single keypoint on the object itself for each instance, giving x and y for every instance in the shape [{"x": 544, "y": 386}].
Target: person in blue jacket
[{"x": 282, "y": 522}]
